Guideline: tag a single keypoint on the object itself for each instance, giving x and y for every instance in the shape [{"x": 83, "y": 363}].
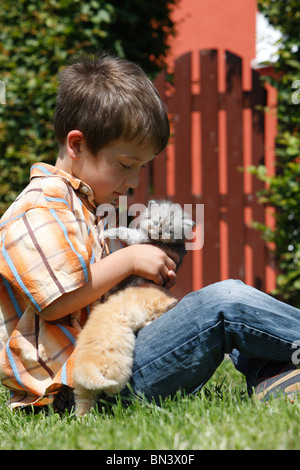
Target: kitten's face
[{"x": 166, "y": 222}]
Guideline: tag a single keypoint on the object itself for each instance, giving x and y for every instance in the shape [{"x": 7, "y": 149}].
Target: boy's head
[{"x": 108, "y": 98}]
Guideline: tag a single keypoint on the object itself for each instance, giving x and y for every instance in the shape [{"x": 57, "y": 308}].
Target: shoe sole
[{"x": 287, "y": 385}]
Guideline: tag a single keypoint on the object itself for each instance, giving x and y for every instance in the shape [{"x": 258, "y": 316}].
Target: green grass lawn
[{"x": 221, "y": 416}]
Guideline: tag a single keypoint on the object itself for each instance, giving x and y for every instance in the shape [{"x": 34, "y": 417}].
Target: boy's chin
[{"x": 116, "y": 194}]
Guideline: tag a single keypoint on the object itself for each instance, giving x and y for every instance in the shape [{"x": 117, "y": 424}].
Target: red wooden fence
[{"x": 212, "y": 140}]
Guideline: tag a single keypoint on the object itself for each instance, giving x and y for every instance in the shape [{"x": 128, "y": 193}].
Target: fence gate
[{"x": 212, "y": 141}]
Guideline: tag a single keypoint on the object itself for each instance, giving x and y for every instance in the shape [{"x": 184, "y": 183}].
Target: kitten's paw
[{"x": 111, "y": 387}]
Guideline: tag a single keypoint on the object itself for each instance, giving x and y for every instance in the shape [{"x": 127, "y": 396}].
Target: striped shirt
[{"x": 49, "y": 237}]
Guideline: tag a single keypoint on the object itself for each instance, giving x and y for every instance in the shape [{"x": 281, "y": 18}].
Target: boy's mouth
[{"x": 117, "y": 194}]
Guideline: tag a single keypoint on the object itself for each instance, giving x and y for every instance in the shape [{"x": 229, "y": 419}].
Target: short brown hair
[{"x": 108, "y": 98}]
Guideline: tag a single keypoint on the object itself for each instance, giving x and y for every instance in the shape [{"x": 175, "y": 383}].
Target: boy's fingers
[
  {"x": 160, "y": 280},
  {"x": 172, "y": 279},
  {"x": 168, "y": 277},
  {"x": 174, "y": 257},
  {"x": 172, "y": 266},
  {"x": 171, "y": 274}
]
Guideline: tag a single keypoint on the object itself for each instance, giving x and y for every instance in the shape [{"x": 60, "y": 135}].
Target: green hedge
[
  {"x": 37, "y": 38},
  {"x": 283, "y": 192}
]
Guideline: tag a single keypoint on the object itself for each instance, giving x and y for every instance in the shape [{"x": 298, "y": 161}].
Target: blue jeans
[{"x": 182, "y": 349}]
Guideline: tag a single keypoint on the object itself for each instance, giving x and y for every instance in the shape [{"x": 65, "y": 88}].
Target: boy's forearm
[
  {"x": 147, "y": 261},
  {"x": 105, "y": 274}
]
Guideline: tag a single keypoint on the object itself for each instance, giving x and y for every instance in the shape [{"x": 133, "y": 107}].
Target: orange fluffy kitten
[{"x": 105, "y": 346}]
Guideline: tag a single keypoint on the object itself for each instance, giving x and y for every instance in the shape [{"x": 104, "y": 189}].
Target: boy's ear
[{"x": 75, "y": 143}]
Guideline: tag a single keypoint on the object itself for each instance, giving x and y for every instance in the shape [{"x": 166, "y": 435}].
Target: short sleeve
[{"x": 46, "y": 253}]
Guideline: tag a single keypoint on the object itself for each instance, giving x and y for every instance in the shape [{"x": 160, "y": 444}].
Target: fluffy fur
[{"x": 105, "y": 346}]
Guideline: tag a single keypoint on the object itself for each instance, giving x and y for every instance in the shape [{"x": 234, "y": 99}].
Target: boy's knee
[
  {"x": 232, "y": 290},
  {"x": 223, "y": 294},
  {"x": 231, "y": 283},
  {"x": 227, "y": 287}
]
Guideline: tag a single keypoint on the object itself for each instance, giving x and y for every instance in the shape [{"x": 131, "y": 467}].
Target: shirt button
[{"x": 84, "y": 189}]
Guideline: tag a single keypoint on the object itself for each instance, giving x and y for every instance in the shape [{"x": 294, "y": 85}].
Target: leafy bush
[
  {"x": 37, "y": 37},
  {"x": 283, "y": 189}
]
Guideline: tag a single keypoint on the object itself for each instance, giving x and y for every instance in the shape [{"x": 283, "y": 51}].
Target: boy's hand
[{"x": 154, "y": 264}]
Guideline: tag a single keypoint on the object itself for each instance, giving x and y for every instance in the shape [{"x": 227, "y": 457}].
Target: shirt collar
[{"x": 44, "y": 169}]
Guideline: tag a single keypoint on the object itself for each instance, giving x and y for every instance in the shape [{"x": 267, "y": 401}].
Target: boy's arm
[{"x": 141, "y": 260}]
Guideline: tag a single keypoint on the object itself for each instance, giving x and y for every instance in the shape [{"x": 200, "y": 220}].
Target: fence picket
[
  {"x": 210, "y": 164},
  {"x": 182, "y": 115},
  {"x": 182, "y": 121},
  {"x": 258, "y": 211},
  {"x": 235, "y": 196},
  {"x": 159, "y": 162}
]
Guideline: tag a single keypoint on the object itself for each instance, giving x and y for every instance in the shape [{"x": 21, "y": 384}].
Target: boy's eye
[
  {"x": 128, "y": 167},
  {"x": 124, "y": 166}
]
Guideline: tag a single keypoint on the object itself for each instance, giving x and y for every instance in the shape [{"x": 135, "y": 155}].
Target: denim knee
[
  {"x": 222, "y": 292},
  {"x": 216, "y": 302}
]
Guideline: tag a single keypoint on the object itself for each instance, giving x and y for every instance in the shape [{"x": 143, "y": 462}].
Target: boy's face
[{"x": 113, "y": 170}]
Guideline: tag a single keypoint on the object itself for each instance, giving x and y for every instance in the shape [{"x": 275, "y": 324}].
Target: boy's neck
[{"x": 63, "y": 161}]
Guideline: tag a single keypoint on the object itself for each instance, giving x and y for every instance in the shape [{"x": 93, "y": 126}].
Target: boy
[{"x": 110, "y": 122}]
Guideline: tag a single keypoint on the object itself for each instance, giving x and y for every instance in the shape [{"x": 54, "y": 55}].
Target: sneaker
[
  {"x": 285, "y": 383},
  {"x": 64, "y": 400}
]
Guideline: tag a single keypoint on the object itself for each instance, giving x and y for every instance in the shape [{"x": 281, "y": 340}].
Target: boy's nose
[{"x": 132, "y": 183}]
